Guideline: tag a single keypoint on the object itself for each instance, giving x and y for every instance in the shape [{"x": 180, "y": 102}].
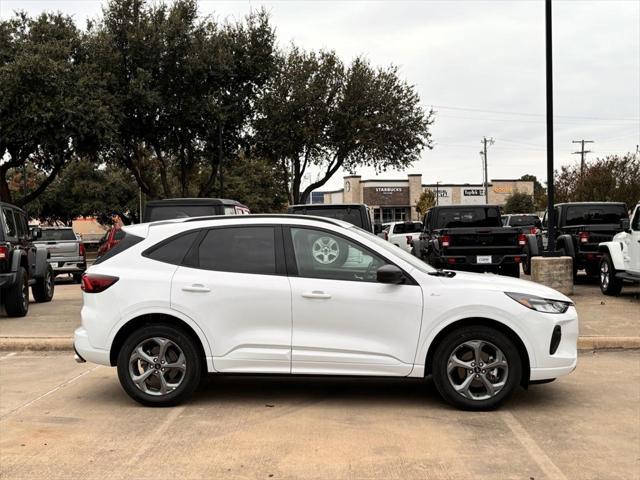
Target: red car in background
[{"x": 110, "y": 239}]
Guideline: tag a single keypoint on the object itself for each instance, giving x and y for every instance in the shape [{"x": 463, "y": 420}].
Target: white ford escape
[{"x": 286, "y": 294}]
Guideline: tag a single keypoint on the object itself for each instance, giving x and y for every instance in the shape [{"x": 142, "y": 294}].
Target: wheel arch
[
  {"x": 154, "y": 319},
  {"x": 487, "y": 322},
  {"x": 614, "y": 250}
]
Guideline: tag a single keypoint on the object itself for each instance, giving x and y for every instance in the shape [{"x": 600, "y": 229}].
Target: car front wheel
[
  {"x": 159, "y": 366},
  {"x": 476, "y": 368}
]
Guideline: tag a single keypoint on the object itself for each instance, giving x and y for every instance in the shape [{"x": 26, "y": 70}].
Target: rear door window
[
  {"x": 239, "y": 249},
  {"x": 173, "y": 250}
]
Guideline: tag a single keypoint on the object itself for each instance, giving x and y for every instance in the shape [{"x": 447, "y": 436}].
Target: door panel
[
  {"x": 247, "y": 318},
  {"x": 344, "y": 321}
]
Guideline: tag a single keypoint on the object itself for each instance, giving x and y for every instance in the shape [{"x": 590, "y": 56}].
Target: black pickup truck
[
  {"x": 581, "y": 227},
  {"x": 471, "y": 237}
]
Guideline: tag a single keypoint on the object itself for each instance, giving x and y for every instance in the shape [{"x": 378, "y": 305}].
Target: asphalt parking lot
[{"x": 63, "y": 420}]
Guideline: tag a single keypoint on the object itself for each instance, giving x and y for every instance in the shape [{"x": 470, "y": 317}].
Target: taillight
[
  {"x": 95, "y": 283},
  {"x": 4, "y": 252},
  {"x": 522, "y": 239},
  {"x": 82, "y": 251},
  {"x": 534, "y": 230},
  {"x": 445, "y": 240},
  {"x": 409, "y": 239},
  {"x": 584, "y": 237}
]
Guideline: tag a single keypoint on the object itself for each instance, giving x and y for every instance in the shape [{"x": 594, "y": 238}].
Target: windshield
[
  {"x": 350, "y": 215},
  {"x": 468, "y": 217},
  {"x": 392, "y": 249},
  {"x": 524, "y": 221},
  {"x": 595, "y": 214},
  {"x": 53, "y": 234},
  {"x": 407, "y": 227}
]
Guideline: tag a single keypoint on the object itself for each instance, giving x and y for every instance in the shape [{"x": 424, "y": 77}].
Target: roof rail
[{"x": 331, "y": 221}]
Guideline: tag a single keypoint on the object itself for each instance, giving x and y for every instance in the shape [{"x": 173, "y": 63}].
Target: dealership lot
[{"x": 63, "y": 420}]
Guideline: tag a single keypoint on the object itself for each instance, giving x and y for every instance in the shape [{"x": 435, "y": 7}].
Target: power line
[{"x": 529, "y": 114}]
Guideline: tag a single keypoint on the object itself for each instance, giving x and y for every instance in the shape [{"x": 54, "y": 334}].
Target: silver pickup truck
[{"x": 66, "y": 251}]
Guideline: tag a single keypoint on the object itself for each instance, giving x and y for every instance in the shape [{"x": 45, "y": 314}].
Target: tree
[
  {"x": 615, "y": 178},
  {"x": 317, "y": 113},
  {"x": 539, "y": 192},
  {"x": 51, "y": 106},
  {"x": 519, "y": 202},
  {"x": 185, "y": 90},
  {"x": 85, "y": 189},
  {"x": 426, "y": 200}
]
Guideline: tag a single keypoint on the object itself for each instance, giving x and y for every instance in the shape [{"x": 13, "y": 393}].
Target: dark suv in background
[
  {"x": 354, "y": 213},
  {"x": 191, "y": 207},
  {"x": 22, "y": 264}
]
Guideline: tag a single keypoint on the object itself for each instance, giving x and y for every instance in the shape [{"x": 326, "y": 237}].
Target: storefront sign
[
  {"x": 473, "y": 192},
  {"x": 503, "y": 189},
  {"x": 385, "y": 195}
]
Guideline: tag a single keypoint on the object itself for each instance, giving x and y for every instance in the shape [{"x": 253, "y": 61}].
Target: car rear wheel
[
  {"x": 159, "y": 366},
  {"x": 609, "y": 283},
  {"x": 43, "y": 288},
  {"x": 476, "y": 368},
  {"x": 16, "y": 298}
]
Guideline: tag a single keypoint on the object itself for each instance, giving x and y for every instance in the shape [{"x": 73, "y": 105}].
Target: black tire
[
  {"x": 493, "y": 338},
  {"x": 16, "y": 298},
  {"x": 511, "y": 270},
  {"x": 526, "y": 265},
  {"x": 609, "y": 284},
  {"x": 188, "y": 380},
  {"x": 44, "y": 287}
]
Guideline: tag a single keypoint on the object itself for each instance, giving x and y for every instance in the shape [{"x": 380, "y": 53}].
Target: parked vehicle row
[
  {"x": 66, "y": 253},
  {"x": 293, "y": 294},
  {"x": 22, "y": 263}
]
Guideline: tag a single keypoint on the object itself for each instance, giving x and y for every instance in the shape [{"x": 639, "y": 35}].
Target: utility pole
[
  {"x": 582, "y": 153},
  {"x": 437, "y": 193},
  {"x": 484, "y": 141},
  {"x": 551, "y": 217}
]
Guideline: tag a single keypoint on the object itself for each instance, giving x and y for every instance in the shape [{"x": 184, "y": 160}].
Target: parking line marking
[
  {"x": 53, "y": 390},
  {"x": 8, "y": 355},
  {"x": 542, "y": 459},
  {"x": 150, "y": 440}
]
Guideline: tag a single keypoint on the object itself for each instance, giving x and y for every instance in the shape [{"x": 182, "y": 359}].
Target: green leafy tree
[
  {"x": 426, "y": 200},
  {"x": 184, "y": 87},
  {"x": 539, "y": 192},
  {"x": 85, "y": 189},
  {"x": 51, "y": 107},
  {"x": 615, "y": 178},
  {"x": 519, "y": 202},
  {"x": 318, "y": 114}
]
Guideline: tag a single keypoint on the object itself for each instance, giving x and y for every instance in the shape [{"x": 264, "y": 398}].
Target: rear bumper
[
  {"x": 472, "y": 260},
  {"x": 588, "y": 258},
  {"x": 7, "y": 279},
  {"x": 68, "y": 264},
  {"x": 86, "y": 351}
]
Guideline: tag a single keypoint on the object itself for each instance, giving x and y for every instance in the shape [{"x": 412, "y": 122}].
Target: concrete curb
[{"x": 52, "y": 344}]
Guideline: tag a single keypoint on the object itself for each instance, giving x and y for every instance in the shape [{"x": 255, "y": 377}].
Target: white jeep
[{"x": 621, "y": 256}]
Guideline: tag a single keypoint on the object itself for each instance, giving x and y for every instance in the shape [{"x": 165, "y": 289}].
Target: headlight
[{"x": 540, "y": 304}]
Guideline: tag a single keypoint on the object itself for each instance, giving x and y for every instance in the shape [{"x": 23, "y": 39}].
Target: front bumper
[{"x": 86, "y": 351}]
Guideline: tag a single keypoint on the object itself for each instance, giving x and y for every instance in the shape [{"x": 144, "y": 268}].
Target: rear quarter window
[
  {"x": 127, "y": 242},
  {"x": 174, "y": 249}
]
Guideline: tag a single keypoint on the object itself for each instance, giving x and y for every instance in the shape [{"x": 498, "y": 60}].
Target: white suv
[
  {"x": 287, "y": 294},
  {"x": 401, "y": 234}
]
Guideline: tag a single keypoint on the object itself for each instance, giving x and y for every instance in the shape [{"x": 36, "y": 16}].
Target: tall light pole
[
  {"x": 437, "y": 193},
  {"x": 549, "y": 80},
  {"x": 484, "y": 141}
]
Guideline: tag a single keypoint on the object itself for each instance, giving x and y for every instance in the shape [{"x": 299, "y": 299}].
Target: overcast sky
[{"x": 480, "y": 64}]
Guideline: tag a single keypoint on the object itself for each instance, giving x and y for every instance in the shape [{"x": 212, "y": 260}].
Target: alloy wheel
[
  {"x": 325, "y": 250},
  {"x": 157, "y": 366},
  {"x": 477, "y": 370},
  {"x": 604, "y": 274}
]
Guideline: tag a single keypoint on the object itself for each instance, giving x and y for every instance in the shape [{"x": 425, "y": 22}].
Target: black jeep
[{"x": 21, "y": 263}]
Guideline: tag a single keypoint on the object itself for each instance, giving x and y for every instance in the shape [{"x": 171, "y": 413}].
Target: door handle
[
  {"x": 196, "y": 287},
  {"x": 317, "y": 294}
]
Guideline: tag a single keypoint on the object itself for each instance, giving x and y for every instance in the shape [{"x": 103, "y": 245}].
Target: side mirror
[
  {"x": 36, "y": 233},
  {"x": 625, "y": 225},
  {"x": 377, "y": 228},
  {"x": 389, "y": 274}
]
